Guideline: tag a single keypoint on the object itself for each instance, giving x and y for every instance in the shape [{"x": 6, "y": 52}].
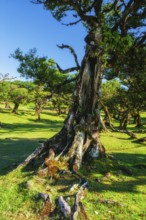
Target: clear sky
[{"x": 25, "y": 25}]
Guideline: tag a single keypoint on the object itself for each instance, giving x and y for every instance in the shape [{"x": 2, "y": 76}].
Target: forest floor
[{"x": 117, "y": 183}]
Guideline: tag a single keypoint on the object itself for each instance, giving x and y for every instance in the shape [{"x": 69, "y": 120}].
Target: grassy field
[{"x": 117, "y": 184}]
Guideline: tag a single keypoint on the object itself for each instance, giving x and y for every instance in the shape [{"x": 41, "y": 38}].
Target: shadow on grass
[
  {"x": 127, "y": 170},
  {"x": 121, "y": 186},
  {"x": 124, "y": 173},
  {"x": 34, "y": 126},
  {"x": 14, "y": 151}
]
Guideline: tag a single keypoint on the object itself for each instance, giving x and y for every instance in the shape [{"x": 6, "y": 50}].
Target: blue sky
[{"x": 25, "y": 26}]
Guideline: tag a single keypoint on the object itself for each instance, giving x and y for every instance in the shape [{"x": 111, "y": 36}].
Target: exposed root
[
  {"x": 140, "y": 140},
  {"x": 71, "y": 144},
  {"x": 78, "y": 206},
  {"x": 47, "y": 208},
  {"x": 33, "y": 156},
  {"x": 110, "y": 202},
  {"x": 83, "y": 211},
  {"x": 78, "y": 197},
  {"x": 129, "y": 133},
  {"x": 65, "y": 208}
]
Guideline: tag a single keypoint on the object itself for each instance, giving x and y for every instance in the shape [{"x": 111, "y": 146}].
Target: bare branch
[
  {"x": 72, "y": 51},
  {"x": 67, "y": 70},
  {"x": 72, "y": 23},
  {"x": 122, "y": 22},
  {"x": 5, "y": 77}
]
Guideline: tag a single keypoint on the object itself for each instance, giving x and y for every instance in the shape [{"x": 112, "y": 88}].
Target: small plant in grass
[{"x": 53, "y": 167}]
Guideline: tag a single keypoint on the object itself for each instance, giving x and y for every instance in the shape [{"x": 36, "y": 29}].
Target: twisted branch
[{"x": 72, "y": 52}]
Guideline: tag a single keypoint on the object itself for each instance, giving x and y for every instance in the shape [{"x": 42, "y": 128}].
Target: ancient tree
[{"x": 111, "y": 36}]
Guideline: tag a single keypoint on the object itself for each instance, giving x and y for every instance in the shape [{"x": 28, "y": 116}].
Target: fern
[{"x": 53, "y": 167}]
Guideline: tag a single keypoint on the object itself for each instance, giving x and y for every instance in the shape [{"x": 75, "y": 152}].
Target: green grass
[
  {"x": 22, "y": 133},
  {"x": 117, "y": 184}
]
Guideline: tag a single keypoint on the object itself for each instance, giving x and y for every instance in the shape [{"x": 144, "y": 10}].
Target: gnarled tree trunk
[{"x": 79, "y": 136}]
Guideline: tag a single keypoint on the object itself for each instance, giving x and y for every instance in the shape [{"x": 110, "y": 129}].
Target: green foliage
[
  {"x": 4, "y": 91},
  {"x": 114, "y": 41},
  {"x": 18, "y": 95},
  {"x": 48, "y": 80},
  {"x": 124, "y": 99},
  {"x": 109, "y": 91},
  {"x": 41, "y": 69},
  {"x": 22, "y": 130}
]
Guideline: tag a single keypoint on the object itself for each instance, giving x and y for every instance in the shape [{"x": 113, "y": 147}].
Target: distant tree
[
  {"x": 136, "y": 93},
  {"x": 5, "y": 81},
  {"x": 40, "y": 99},
  {"x": 109, "y": 93},
  {"x": 18, "y": 96},
  {"x": 47, "y": 76},
  {"x": 4, "y": 93},
  {"x": 41, "y": 70},
  {"x": 123, "y": 100}
]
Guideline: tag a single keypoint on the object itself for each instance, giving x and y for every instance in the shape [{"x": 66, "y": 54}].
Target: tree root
[
  {"x": 48, "y": 206},
  {"x": 129, "y": 133},
  {"x": 38, "y": 151},
  {"x": 71, "y": 144},
  {"x": 65, "y": 208},
  {"x": 140, "y": 140},
  {"x": 110, "y": 202},
  {"x": 78, "y": 197},
  {"x": 78, "y": 206}
]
